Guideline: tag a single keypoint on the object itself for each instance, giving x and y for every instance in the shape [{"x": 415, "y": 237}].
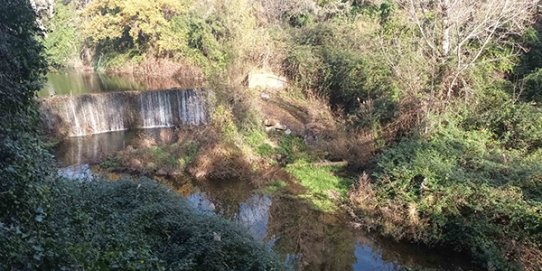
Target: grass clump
[{"x": 324, "y": 189}]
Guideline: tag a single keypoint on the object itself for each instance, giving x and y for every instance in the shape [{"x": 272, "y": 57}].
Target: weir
[{"x": 117, "y": 111}]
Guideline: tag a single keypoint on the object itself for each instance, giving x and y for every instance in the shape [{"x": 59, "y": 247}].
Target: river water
[
  {"x": 75, "y": 83},
  {"x": 305, "y": 238}
]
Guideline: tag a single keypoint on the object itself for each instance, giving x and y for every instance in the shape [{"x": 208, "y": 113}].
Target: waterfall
[{"x": 116, "y": 111}]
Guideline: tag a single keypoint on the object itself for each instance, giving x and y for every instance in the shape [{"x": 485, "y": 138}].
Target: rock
[
  {"x": 265, "y": 96},
  {"x": 266, "y": 80},
  {"x": 288, "y": 132},
  {"x": 151, "y": 166},
  {"x": 161, "y": 172},
  {"x": 80, "y": 173},
  {"x": 272, "y": 125},
  {"x": 271, "y": 122},
  {"x": 129, "y": 148},
  {"x": 176, "y": 172},
  {"x": 135, "y": 163}
]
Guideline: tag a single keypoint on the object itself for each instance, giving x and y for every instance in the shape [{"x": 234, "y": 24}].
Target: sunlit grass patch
[{"x": 324, "y": 187}]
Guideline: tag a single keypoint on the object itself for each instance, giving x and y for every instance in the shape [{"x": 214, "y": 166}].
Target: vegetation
[
  {"x": 48, "y": 223},
  {"x": 436, "y": 105},
  {"x": 130, "y": 225}
]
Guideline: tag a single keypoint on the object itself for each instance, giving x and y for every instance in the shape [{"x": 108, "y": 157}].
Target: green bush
[
  {"x": 128, "y": 225},
  {"x": 463, "y": 188},
  {"x": 23, "y": 162},
  {"x": 517, "y": 125},
  {"x": 532, "y": 88},
  {"x": 195, "y": 39},
  {"x": 332, "y": 59}
]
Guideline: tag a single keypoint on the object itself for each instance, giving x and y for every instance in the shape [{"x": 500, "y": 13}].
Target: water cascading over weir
[{"x": 117, "y": 111}]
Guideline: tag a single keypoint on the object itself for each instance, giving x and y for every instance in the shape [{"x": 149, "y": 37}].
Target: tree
[
  {"x": 22, "y": 66},
  {"x": 130, "y": 23},
  {"x": 455, "y": 34}
]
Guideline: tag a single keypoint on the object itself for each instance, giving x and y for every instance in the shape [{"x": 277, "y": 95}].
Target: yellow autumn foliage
[{"x": 135, "y": 21}]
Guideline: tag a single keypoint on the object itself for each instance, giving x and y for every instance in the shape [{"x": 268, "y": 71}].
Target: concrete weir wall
[{"x": 116, "y": 111}]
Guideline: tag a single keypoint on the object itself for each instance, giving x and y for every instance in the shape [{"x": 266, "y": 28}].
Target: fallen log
[{"x": 331, "y": 164}]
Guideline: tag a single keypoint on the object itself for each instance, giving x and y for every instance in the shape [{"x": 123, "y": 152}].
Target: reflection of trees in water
[
  {"x": 235, "y": 202},
  {"x": 75, "y": 83},
  {"x": 319, "y": 239},
  {"x": 254, "y": 215},
  {"x": 411, "y": 255},
  {"x": 227, "y": 196}
]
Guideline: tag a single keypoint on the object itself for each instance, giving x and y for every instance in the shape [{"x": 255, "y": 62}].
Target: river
[{"x": 305, "y": 238}]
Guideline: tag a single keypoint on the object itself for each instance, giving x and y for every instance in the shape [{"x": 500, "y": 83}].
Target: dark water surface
[{"x": 306, "y": 238}]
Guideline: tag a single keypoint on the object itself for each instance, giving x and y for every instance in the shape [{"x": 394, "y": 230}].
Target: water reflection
[
  {"x": 76, "y": 82},
  {"x": 310, "y": 240},
  {"x": 367, "y": 259},
  {"x": 306, "y": 239},
  {"x": 200, "y": 202},
  {"x": 94, "y": 149},
  {"x": 254, "y": 215}
]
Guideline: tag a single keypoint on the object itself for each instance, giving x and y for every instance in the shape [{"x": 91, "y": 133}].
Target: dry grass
[
  {"x": 164, "y": 69},
  {"x": 220, "y": 161},
  {"x": 529, "y": 256},
  {"x": 392, "y": 219}
]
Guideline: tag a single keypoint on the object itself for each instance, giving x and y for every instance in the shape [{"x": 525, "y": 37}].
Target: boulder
[{"x": 266, "y": 80}]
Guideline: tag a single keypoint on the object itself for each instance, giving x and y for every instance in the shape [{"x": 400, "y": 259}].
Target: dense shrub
[
  {"x": 532, "y": 89},
  {"x": 22, "y": 160},
  {"x": 462, "y": 188},
  {"x": 128, "y": 225},
  {"x": 332, "y": 59}
]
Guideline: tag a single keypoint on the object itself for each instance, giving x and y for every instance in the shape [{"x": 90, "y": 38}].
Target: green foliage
[
  {"x": 532, "y": 88},
  {"x": 515, "y": 125},
  {"x": 130, "y": 24},
  {"x": 292, "y": 148},
  {"x": 194, "y": 38},
  {"x": 23, "y": 162},
  {"x": 471, "y": 191},
  {"x": 275, "y": 186},
  {"x": 162, "y": 156},
  {"x": 324, "y": 187},
  {"x": 111, "y": 162},
  {"x": 129, "y": 225},
  {"x": 532, "y": 60},
  {"x": 331, "y": 58},
  {"x": 191, "y": 149},
  {"x": 63, "y": 43},
  {"x": 255, "y": 138},
  {"x": 265, "y": 150},
  {"x": 130, "y": 31}
]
